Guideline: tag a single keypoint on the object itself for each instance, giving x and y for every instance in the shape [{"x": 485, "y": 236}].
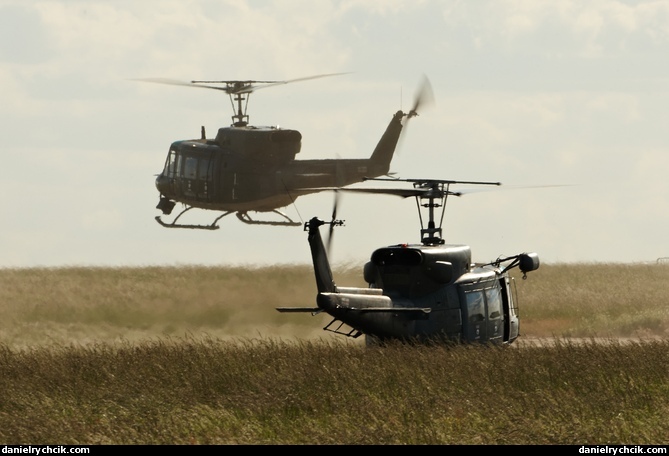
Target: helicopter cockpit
[{"x": 188, "y": 171}]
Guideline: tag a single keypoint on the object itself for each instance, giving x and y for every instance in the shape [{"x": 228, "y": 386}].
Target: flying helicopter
[
  {"x": 249, "y": 168},
  {"x": 420, "y": 293}
]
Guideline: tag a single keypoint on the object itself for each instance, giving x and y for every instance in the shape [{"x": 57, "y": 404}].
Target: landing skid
[
  {"x": 174, "y": 223},
  {"x": 287, "y": 221},
  {"x": 354, "y": 333},
  {"x": 243, "y": 216}
]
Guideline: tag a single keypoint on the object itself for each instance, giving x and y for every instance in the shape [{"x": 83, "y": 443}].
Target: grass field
[{"x": 198, "y": 355}]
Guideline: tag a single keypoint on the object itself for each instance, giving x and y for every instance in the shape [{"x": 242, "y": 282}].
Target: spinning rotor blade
[
  {"x": 332, "y": 221},
  {"x": 401, "y": 192},
  {"x": 275, "y": 83},
  {"x": 424, "y": 96},
  {"x": 429, "y": 190},
  {"x": 232, "y": 86},
  {"x": 511, "y": 187},
  {"x": 238, "y": 91},
  {"x": 406, "y": 192},
  {"x": 170, "y": 82}
]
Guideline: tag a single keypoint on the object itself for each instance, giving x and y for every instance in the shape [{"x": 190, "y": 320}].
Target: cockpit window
[
  {"x": 475, "y": 306},
  {"x": 494, "y": 298},
  {"x": 170, "y": 164}
]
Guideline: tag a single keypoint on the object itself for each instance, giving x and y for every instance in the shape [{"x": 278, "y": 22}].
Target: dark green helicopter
[
  {"x": 249, "y": 168},
  {"x": 427, "y": 292}
]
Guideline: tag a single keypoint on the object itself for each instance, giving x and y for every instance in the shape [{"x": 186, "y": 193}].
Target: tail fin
[
  {"x": 383, "y": 153},
  {"x": 324, "y": 279}
]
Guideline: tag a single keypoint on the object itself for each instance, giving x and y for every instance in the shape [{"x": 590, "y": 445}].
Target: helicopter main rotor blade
[
  {"x": 233, "y": 86},
  {"x": 318, "y": 76},
  {"x": 173, "y": 82},
  {"x": 427, "y": 191},
  {"x": 248, "y": 86},
  {"x": 401, "y": 192},
  {"x": 513, "y": 187}
]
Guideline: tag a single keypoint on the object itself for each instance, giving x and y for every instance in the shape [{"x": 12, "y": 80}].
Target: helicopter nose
[{"x": 162, "y": 183}]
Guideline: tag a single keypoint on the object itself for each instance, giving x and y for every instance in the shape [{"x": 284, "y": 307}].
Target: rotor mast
[
  {"x": 430, "y": 194},
  {"x": 431, "y": 235},
  {"x": 239, "y": 93},
  {"x": 436, "y": 193},
  {"x": 241, "y": 119}
]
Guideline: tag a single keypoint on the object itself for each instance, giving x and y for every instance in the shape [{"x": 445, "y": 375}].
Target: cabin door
[
  {"x": 511, "y": 324},
  {"x": 495, "y": 328}
]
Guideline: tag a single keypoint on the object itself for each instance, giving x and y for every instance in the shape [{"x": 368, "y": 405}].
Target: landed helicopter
[
  {"x": 420, "y": 293},
  {"x": 253, "y": 169}
]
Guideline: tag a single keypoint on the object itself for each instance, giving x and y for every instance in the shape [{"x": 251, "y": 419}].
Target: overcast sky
[{"x": 528, "y": 92}]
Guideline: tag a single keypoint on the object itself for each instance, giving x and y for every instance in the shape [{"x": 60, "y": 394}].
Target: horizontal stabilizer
[
  {"x": 299, "y": 309},
  {"x": 362, "y": 291}
]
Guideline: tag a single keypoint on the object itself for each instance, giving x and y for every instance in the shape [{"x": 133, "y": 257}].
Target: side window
[
  {"x": 190, "y": 168},
  {"x": 494, "y": 298},
  {"x": 204, "y": 171},
  {"x": 170, "y": 164},
  {"x": 177, "y": 167},
  {"x": 475, "y": 306}
]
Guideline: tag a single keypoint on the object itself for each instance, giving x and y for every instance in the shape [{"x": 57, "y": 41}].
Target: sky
[{"x": 565, "y": 102}]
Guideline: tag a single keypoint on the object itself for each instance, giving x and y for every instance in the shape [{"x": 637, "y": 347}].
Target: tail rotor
[
  {"x": 333, "y": 222},
  {"x": 424, "y": 97}
]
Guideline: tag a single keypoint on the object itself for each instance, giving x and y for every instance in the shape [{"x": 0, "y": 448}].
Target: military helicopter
[
  {"x": 420, "y": 293},
  {"x": 253, "y": 169}
]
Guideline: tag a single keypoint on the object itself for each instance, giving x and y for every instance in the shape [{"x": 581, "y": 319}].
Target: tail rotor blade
[
  {"x": 333, "y": 221},
  {"x": 424, "y": 96}
]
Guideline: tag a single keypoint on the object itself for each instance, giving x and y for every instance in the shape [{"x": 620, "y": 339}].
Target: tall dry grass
[
  {"x": 607, "y": 300},
  {"x": 267, "y": 391},
  {"x": 198, "y": 355},
  {"x": 83, "y": 305}
]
